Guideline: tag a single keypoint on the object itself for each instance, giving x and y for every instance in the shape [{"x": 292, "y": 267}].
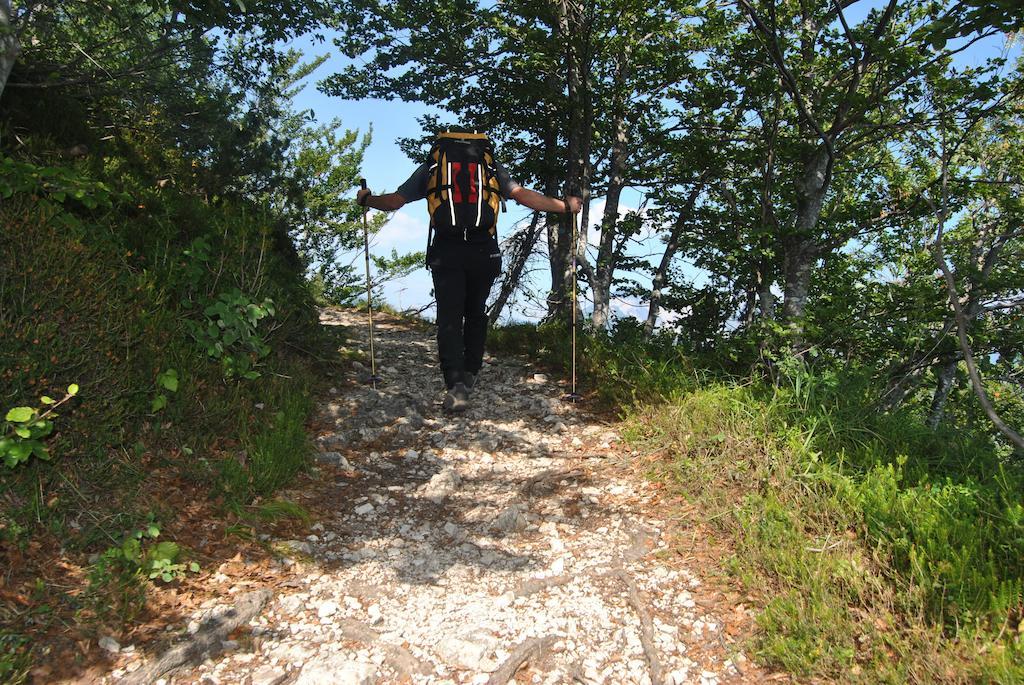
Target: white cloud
[
  {"x": 597, "y": 213},
  {"x": 635, "y": 309},
  {"x": 638, "y": 309},
  {"x": 405, "y": 232}
]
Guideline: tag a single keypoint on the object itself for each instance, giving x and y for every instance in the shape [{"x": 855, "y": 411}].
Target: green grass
[
  {"x": 879, "y": 550},
  {"x": 619, "y": 368},
  {"x": 15, "y": 657},
  {"x": 279, "y": 509},
  {"x": 278, "y": 447},
  {"x": 879, "y": 570}
]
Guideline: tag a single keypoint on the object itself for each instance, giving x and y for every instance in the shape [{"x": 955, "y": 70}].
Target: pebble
[
  {"x": 268, "y": 675},
  {"x": 442, "y": 485},
  {"x": 334, "y": 459},
  {"x": 109, "y": 644},
  {"x": 335, "y": 669},
  {"x": 512, "y": 519},
  {"x": 470, "y": 651},
  {"x": 327, "y": 609}
]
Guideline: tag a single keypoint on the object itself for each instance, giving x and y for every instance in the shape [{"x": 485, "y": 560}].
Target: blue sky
[{"x": 386, "y": 166}]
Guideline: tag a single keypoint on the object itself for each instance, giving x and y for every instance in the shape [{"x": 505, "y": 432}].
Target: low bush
[{"x": 880, "y": 550}]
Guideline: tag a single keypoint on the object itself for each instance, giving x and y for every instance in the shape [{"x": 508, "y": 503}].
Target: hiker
[{"x": 465, "y": 188}]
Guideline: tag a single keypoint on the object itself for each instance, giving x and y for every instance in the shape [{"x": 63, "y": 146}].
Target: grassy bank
[
  {"x": 879, "y": 550},
  {"x": 185, "y": 329}
]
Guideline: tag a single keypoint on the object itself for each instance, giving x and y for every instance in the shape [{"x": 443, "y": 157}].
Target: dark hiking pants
[{"x": 463, "y": 274}]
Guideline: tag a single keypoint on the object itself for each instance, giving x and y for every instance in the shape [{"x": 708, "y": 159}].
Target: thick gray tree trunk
[
  {"x": 660, "y": 278},
  {"x": 801, "y": 248},
  {"x": 945, "y": 383},
  {"x": 603, "y": 273},
  {"x": 10, "y": 48}
]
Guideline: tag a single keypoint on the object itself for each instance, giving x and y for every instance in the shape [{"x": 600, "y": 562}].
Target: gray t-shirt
[{"x": 415, "y": 188}]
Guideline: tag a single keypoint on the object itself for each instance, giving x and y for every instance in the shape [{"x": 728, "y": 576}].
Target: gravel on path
[{"x": 506, "y": 544}]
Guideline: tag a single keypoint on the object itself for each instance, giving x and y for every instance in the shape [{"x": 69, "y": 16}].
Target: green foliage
[
  {"x": 24, "y": 429},
  {"x": 155, "y": 234},
  {"x": 622, "y": 365},
  {"x": 229, "y": 333},
  {"x": 60, "y": 185},
  {"x": 880, "y": 550},
  {"x": 140, "y": 552},
  {"x": 278, "y": 445},
  {"x": 15, "y": 657},
  {"x": 278, "y": 509},
  {"x": 165, "y": 380},
  {"x": 117, "y": 578}
]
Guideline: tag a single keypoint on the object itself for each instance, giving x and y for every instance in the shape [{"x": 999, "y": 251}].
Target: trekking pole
[
  {"x": 573, "y": 396},
  {"x": 374, "y": 378}
]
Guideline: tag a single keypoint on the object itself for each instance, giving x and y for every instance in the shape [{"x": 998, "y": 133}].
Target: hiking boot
[
  {"x": 457, "y": 399},
  {"x": 470, "y": 380}
]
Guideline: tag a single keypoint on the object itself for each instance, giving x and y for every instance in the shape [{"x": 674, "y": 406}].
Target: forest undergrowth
[{"x": 190, "y": 349}]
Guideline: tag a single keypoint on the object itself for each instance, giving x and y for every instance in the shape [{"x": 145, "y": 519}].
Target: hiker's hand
[
  {"x": 362, "y": 195},
  {"x": 573, "y": 204}
]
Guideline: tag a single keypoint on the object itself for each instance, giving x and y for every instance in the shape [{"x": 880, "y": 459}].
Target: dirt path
[{"x": 454, "y": 549}]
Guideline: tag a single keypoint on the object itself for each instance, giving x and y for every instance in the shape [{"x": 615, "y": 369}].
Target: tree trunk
[
  {"x": 800, "y": 256},
  {"x": 660, "y": 278},
  {"x": 522, "y": 247},
  {"x": 801, "y": 248},
  {"x": 765, "y": 296},
  {"x": 749, "y": 308},
  {"x": 10, "y": 48},
  {"x": 765, "y": 270},
  {"x": 601, "y": 279},
  {"x": 554, "y": 225},
  {"x": 945, "y": 383},
  {"x": 671, "y": 246},
  {"x": 571, "y": 28}
]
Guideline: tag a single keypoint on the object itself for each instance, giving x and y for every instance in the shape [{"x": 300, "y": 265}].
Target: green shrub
[
  {"x": 882, "y": 550},
  {"x": 841, "y": 513},
  {"x": 621, "y": 366}
]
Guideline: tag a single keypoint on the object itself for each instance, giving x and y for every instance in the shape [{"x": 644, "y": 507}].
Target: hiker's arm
[
  {"x": 543, "y": 203},
  {"x": 388, "y": 202}
]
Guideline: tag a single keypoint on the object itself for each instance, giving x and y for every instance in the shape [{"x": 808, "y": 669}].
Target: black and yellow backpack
[{"x": 463, "y": 193}]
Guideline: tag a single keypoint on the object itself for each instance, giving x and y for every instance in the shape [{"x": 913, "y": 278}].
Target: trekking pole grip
[{"x": 362, "y": 183}]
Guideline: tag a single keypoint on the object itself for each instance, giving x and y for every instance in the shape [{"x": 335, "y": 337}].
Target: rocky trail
[{"x": 514, "y": 543}]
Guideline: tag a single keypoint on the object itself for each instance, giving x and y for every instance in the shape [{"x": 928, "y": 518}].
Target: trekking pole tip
[{"x": 572, "y": 397}]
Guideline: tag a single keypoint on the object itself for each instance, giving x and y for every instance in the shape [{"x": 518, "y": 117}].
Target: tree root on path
[
  {"x": 577, "y": 675},
  {"x": 398, "y": 658},
  {"x": 646, "y": 626},
  {"x": 535, "y": 585},
  {"x": 206, "y": 641},
  {"x": 547, "y": 481},
  {"x": 533, "y": 648}
]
